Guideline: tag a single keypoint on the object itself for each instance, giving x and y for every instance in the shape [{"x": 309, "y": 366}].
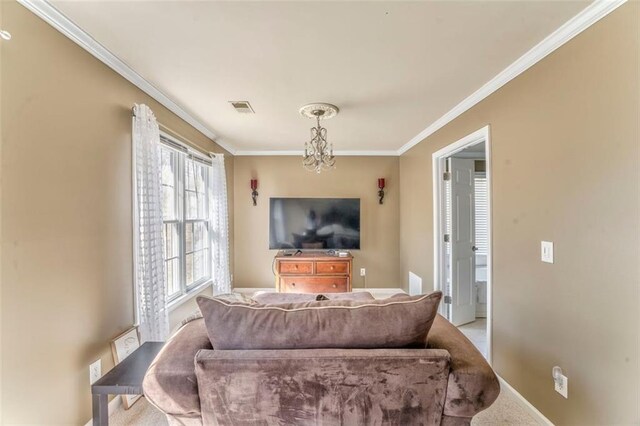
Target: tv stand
[{"x": 313, "y": 272}]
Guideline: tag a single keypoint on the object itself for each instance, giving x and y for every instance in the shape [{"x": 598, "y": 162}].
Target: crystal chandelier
[{"x": 318, "y": 153}]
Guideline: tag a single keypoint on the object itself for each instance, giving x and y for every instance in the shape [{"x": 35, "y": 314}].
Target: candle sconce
[
  {"x": 381, "y": 185},
  {"x": 254, "y": 192}
]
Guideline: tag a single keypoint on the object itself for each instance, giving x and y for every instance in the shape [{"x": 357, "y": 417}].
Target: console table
[
  {"x": 123, "y": 379},
  {"x": 313, "y": 272}
]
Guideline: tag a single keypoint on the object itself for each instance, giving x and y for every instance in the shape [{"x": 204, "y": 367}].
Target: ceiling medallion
[{"x": 318, "y": 154}]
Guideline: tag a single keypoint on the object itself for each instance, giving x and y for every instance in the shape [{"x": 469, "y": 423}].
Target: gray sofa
[{"x": 445, "y": 383}]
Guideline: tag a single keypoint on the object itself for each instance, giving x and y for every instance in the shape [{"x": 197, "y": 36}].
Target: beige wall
[
  {"x": 565, "y": 151},
  {"x": 66, "y": 218},
  {"x": 285, "y": 177},
  {"x": 1, "y": 137}
]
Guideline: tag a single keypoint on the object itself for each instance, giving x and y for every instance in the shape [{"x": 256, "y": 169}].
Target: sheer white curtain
[
  {"x": 153, "y": 316},
  {"x": 220, "y": 225}
]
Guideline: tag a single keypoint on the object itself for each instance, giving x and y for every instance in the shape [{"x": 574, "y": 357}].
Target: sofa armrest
[
  {"x": 170, "y": 383},
  {"x": 322, "y": 386},
  {"x": 473, "y": 386}
]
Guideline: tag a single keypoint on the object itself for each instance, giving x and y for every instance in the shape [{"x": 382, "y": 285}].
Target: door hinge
[
  {"x": 447, "y": 300},
  {"x": 446, "y": 176},
  {"x": 447, "y": 238}
]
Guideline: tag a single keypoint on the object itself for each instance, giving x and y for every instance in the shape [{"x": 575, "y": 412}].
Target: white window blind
[{"x": 481, "y": 213}]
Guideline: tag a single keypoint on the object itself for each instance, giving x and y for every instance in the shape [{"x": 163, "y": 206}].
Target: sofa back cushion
[
  {"x": 390, "y": 323},
  {"x": 358, "y": 387}
]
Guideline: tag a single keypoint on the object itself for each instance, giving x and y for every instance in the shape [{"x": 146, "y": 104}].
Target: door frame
[{"x": 439, "y": 166}]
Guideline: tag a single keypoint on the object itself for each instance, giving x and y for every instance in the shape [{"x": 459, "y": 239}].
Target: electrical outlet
[
  {"x": 95, "y": 371},
  {"x": 562, "y": 385},
  {"x": 363, "y": 272},
  {"x": 546, "y": 251}
]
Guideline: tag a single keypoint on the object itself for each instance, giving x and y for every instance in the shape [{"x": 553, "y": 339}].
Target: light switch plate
[
  {"x": 547, "y": 251},
  {"x": 562, "y": 386}
]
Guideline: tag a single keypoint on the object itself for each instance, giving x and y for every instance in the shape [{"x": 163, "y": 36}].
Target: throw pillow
[{"x": 385, "y": 323}]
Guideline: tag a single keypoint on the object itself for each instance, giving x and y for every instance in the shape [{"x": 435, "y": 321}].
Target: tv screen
[{"x": 314, "y": 223}]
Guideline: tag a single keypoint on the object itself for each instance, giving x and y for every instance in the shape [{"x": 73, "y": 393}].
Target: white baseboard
[
  {"x": 113, "y": 405},
  {"x": 533, "y": 411},
  {"x": 378, "y": 293}
]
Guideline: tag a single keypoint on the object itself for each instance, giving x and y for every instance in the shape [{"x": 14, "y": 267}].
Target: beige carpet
[{"x": 505, "y": 411}]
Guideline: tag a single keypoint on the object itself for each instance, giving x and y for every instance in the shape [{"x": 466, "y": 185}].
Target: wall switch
[
  {"x": 95, "y": 371},
  {"x": 363, "y": 272},
  {"x": 562, "y": 385},
  {"x": 547, "y": 251}
]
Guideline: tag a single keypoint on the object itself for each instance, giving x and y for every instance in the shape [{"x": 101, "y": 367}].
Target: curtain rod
[{"x": 184, "y": 139}]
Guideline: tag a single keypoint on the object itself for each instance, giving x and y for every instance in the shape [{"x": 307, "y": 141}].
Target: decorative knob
[
  {"x": 293, "y": 284},
  {"x": 474, "y": 248},
  {"x": 334, "y": 286},
  {"x": 332, "y": 268}
]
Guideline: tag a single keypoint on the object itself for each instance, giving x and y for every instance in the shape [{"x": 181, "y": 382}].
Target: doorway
[{"x": 462, "y": 235}]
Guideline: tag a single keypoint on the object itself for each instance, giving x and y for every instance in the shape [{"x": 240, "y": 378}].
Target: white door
[{"x": 462, "y": 259}]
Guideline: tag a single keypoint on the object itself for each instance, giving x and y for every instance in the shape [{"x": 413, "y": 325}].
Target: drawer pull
[
  {"x": 293, "y": 284},
  {"x": 333, "y": 267},
  {"x": 334, "y": 286}
]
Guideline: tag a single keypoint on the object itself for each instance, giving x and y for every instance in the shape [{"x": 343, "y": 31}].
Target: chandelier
[{"x": 318, "y": 153}]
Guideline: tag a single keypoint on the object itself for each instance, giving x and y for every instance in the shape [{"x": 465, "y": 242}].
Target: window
[{"x": 186, "y": 222}]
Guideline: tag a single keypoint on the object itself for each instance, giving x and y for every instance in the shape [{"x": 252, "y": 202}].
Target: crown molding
[
  {"x": 60, "y": 22},
  {"x": 389, "y": 153},
  {"x": 583, "y": 20},
  {"x": 574, "y": 26}
]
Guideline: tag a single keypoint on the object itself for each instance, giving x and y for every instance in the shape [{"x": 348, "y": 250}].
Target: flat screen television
[{"x": 314, "y": 223}]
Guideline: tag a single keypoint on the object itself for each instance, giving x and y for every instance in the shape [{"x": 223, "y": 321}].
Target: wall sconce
[
  {"x": 381, "y": 189},
  {"x": 254, "y": 192}
]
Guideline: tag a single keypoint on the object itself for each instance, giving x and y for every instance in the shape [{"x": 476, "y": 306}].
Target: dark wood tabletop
[{"x": 126, "y": 377}]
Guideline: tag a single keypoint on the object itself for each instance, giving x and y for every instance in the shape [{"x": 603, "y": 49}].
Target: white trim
[
  {"x": 388, "y": 153},
  {"x": 113, "y": 405},
  {"x": 574, "y": 26},
  {"x": 66, "y": 26},
  {"x": 190, "y": 294},
  {"x": 438, "y": 162},
  {"x": 533, "y": 411},
  {"x": 188, "y": 148},
  {"x": 265, "y": 153}
]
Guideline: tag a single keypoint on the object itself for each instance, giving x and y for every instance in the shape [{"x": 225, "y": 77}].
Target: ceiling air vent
[{"x": 243, "y": 107}]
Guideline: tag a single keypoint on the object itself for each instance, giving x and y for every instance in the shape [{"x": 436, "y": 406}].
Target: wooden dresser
[{"x": 313, "y": 272}]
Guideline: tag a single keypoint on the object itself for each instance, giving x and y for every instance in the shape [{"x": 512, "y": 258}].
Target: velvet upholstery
[
  {"x": 322, "y": 386},
  {"x": 170, "y": 383},
  {"x": 392, "y": 323},
  {"x": 473, "y": 386}
]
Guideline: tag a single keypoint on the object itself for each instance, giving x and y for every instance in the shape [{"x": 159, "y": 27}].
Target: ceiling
[{"x": 392, "y": 67}]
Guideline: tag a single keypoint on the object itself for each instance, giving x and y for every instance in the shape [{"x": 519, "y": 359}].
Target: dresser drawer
[
  {"x": 332, "y": 267},
  {"x": 296, "y": 268},
  {"x": 314, "y": 284}
]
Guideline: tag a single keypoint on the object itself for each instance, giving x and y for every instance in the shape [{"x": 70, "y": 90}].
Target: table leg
[{"x": 100, "y": 410}]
